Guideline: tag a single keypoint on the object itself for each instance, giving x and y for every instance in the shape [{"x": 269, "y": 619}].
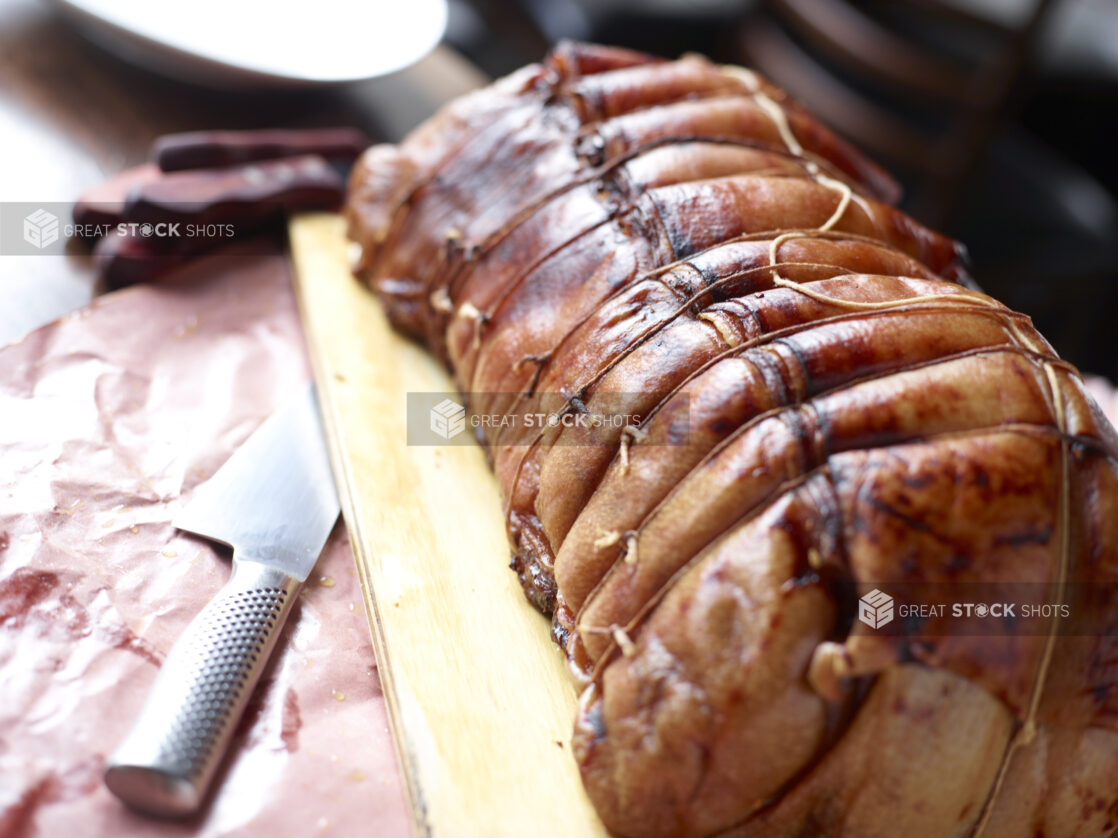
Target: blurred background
[{"x": 1000, "y": 117}]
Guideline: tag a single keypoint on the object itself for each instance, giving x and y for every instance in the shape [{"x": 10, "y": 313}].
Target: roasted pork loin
[{"x": 825, "y": 404}]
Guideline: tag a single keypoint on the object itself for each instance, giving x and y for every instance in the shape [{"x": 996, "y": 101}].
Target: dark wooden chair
[{"x": 920, "y": 84}]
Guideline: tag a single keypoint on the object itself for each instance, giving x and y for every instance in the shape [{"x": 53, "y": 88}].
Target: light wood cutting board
[{"x": 479, "y": 697}]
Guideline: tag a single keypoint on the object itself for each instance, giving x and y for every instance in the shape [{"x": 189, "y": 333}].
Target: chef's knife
[{"x": 274, "y": 503}]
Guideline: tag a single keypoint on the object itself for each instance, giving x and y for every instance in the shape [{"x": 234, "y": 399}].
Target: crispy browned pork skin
[{"x": 686, "y": 239}]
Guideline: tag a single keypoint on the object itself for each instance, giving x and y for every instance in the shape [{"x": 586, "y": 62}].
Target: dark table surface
[{"x": 71, "y": 115}]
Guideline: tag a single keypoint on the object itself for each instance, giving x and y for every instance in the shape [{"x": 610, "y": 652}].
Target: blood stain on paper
[
  {"x": 17, "y": 818},
  {"x": 23, "y": 590},
  {"x": 292, "y": 720},
  {"x": 119, "y": 636}
]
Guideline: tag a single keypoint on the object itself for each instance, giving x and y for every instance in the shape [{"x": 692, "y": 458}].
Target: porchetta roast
[{"x": 822, "y": 404}]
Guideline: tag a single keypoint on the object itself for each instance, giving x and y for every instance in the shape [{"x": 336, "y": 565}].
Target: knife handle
[{"x": 165, "y": 764}]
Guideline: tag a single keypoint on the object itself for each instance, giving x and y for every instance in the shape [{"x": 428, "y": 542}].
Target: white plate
[{"x": 256, "y": 43}]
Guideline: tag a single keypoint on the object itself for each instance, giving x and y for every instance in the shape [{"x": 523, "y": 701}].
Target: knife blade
[{"x": 274, "y": 503}]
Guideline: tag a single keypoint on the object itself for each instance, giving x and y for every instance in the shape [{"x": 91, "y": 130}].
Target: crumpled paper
[{"x": 108, "y": 420}]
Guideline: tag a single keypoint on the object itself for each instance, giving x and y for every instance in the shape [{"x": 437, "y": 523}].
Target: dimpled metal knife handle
[{"x": 169, "y": 757}]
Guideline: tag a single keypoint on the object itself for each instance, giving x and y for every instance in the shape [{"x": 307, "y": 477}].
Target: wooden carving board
[{"x": 479, "y": 697}]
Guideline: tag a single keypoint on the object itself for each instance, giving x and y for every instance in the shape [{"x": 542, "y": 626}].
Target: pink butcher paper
[{"x": 108, "y": 419}]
